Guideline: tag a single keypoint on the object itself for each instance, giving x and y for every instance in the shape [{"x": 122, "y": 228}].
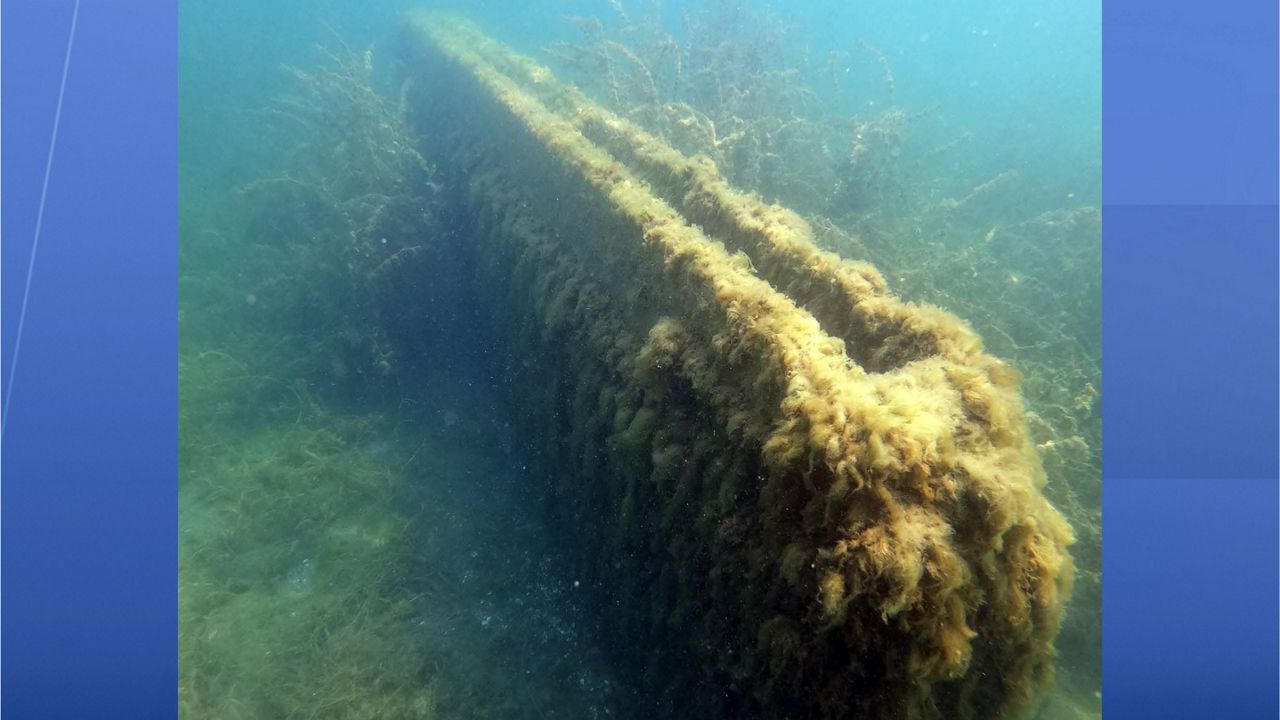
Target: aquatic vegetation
[
  {"x": 868, "y": 455},
  {"x": 294, "y": 582},
  {"x": 297, "y": 585},
  {"x": 323, "y": 568},
  {"x": 1029, "y": 284},
  {"x": 483, "y": 296},
  {"x": 1049, "y": 327},
  {"x": 724, "y": 89},
  {"x": 353, "y": 210}
]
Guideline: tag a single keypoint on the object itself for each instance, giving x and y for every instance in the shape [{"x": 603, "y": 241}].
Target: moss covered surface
[
  {"x": 782, "y": 490},
  {"x": 949, "y": 221},
  {"x": 806, "y": 499}
]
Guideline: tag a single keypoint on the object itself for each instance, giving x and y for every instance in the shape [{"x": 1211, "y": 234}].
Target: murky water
[{"x": 374, "y": 508}]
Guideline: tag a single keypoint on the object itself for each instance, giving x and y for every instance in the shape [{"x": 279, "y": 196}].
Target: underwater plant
[
  {"x": 294, "y": 581},
  {"x": 803, "y": 495},
  {"x": 724, "y": 88},
  {"x": 785, "y": 490},
  {"x": 1028, "y": 279},
  {"x": 324, "y": 571},
  {"x": 297, "y": 585},
  {"x": 353, "y": 208}
]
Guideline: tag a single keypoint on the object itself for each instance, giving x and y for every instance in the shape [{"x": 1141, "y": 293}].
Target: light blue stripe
[{"x": 35, "y": 243}]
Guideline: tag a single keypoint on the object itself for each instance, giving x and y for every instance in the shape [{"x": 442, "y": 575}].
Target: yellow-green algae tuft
[{"x": 806, "y": 496}]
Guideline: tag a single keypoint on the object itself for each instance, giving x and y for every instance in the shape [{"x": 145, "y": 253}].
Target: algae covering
[
  {"x": 503, "y": 396},
  {"x": 807, "y": 497}
]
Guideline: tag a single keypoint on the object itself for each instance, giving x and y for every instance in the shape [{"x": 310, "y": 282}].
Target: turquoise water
[{"x": 366, "y": 507}]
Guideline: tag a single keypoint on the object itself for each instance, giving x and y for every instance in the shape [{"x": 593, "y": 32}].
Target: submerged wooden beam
[{"x": 800, "y": 495}]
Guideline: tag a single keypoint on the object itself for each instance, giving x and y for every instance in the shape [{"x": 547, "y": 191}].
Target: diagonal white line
[{"x": 35, "y": 242}]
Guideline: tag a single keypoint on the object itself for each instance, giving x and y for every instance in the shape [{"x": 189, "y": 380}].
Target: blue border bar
[
  {"x": 1189, "y": 588},
  {"x": 1189, "y": 341},
  {"x": 1190, "y": 360},
  {"x": 89, "y": 459},
  {"x": 1189, "y": 102}
]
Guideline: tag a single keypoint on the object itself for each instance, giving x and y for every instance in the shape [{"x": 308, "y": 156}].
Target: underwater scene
[{"x": 638, "y": 359}]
